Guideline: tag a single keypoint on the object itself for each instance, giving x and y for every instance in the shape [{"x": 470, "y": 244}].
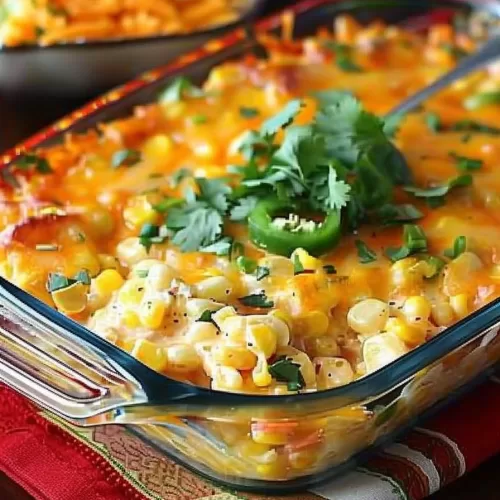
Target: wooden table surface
[{"x": 21, "y": 116}]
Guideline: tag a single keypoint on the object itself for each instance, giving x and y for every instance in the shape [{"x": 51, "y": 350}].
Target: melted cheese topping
[{"x": 336, "y": 327}]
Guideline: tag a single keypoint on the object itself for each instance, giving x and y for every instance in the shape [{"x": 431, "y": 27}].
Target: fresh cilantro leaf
[
  {"x": 440, "y": 191},
  {"x": 221, "y": 247},
  {"x": 329, "y": 269},
  {"x": 365, "y": 254},
  {"x": 246, "y": 265},
  {"x": 125, "y": 158},
  {"x": 181, "y": 87},
  {"x": 414, "y": 241},
  {"x": 433, "y": 122},
  {"x": 246, "y": 112},
  {"x": 215, "y": 192},
  {"x": 32, "y": 161},
  {"x": 262, "y": 272},
  {"x": 39, "y": 31},
  {"x": 398, "y": 214},
  {"x": 259, "y": 300},
  {"x": 466, "y": 164},
  {"x": 178, "y": 176},
  {"x": 241, "y": 210},
  {"x": 474, "y": 126},
  {"x": 338, "y": 191},
  {"x": 459, "y": 247},
  {"x": 58, "y": 281},
  {"x": 285, "y": 370},
  {"x": 255, "y": 145},
  {"x": 282, "y": 119},
  {"x": 142, "y": 273},
  {"x": 330, "y": 97},
  {"x": 195, "y": 225}
]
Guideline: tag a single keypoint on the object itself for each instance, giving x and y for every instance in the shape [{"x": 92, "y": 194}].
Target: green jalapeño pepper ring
[{"x": 316, "y": 238}]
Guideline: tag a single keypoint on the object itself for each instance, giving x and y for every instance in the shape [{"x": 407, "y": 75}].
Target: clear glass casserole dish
[{"x": 87, "y": 380}]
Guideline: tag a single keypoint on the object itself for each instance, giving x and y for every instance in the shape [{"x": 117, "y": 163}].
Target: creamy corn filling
[{"x": 87, "y": 224}]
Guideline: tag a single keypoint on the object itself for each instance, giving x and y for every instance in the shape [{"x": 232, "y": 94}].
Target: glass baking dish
[{"x": 81, "y": 377}]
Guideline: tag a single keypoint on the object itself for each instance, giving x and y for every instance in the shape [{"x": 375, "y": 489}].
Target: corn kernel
[
  {"x": 249, "y": 449},
  {"x": 443, "y": 314},
  {"x": 139, "y": 211},
  {"x": 150, "y": 354},
  {"x": 260, "y": 374},
  {"x": 417, "y": 308},
  {"x": 283, "y": 316},
  {"x": 196, "y": 307},
  {"x": 217, "y": 288},
  {"x": 72, "y": 299},
  {"x": 83, "y": 258},
  {"x": 222, "y": 314},
  {"x": 262, "y": 339},
  {"x": 270, "y": 438},
  {"x": 130, "y": 251},
  {"x": 131, "y": 293},
  {"x": 201, "y": 331},
  {"x": 183, "y": 358},
  {"x": 380, "y": 350},
  {"x": 333, "y": 372},
  {"x": 99, "y": 221},
  {"x": 278, "y": 266},
  {"x": 272, "y": 470},
  {"x": 107, "y": 282},
  {"x": 401, "y": 274},
  {"x": 225, "y": 377},
  {"x": 174, "y": 110},
  {"x": 368, "y": 317},
  {"x": 307, "y": 261},
  {"x": 158, "y": 148},
  {"x": 314, "y": 324},
  {"x": 160, "y": 276},
  {"x": 460, "y": 305},
  {"x": 409, "y": 334},
  {"x": 205, "y": 151},
  {"x": 152, "y": 313},
  {"x": 302, "y": 459},
  {"x": 130, "y": 319},
  {"x": 234, "y": 356}
]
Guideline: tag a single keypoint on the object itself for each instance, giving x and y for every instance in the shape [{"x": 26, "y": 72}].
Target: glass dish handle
[{"x": 57, "y": 370}]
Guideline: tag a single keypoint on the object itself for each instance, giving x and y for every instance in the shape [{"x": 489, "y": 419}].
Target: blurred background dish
[{"x": 79, "y": 48}]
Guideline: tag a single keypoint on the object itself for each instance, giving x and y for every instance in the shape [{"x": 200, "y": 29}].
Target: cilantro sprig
[{"x": 285, "y": 370}]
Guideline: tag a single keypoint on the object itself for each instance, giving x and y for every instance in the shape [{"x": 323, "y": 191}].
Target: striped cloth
[{"x": 55, "y": 461}]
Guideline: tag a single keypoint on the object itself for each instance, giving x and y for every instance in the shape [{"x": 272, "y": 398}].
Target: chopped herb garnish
[
  {"x": 206, "y": 316},
  {"x": 433, "y": 121},
  {"x": 177, "y": 177},
  {"x": 474, "y": 126},
  {"x": 125, "y": 158},
  {"x": 257, "y": 300},
  {"x": 246, "y": 265},
  {"x": 262, "y": 272},
  {"x": 398, "y": 214},
  {"x": 57, "y": 281},
  {"x": 466, "y": 164},
  {"x": 482, "y": 99},
  {"x": 440, "y": 191},
  {"x": 142, "y": 273},
  {"x": 181, "y": 87},
  {"x": 459, "y": 247},
  {"x": 166, "y": 204},
  {"x": 435, "y": 264},
  {"x": 249, "y": 112},
  {"x": 39, "y": 31},
  {"x": 151, "y": 234},
  {"x": 329, "y": 269},
  {"x": 454, "y": 51},
  {"x": 343, "y": 56},
  {"x": 298, "y": 268},
  {"x": 32, "y": 161},
  {"x": 365, "y": 254},
  {"x": 414, "y": 241},
  {"x": 199, "y": 119},
  {"x": 285, "y": 370}
]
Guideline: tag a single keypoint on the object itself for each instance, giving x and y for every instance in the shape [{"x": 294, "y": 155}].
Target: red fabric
[
  {"x": 48, "y": 462},
  {"x": 53, "y": 465}
]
